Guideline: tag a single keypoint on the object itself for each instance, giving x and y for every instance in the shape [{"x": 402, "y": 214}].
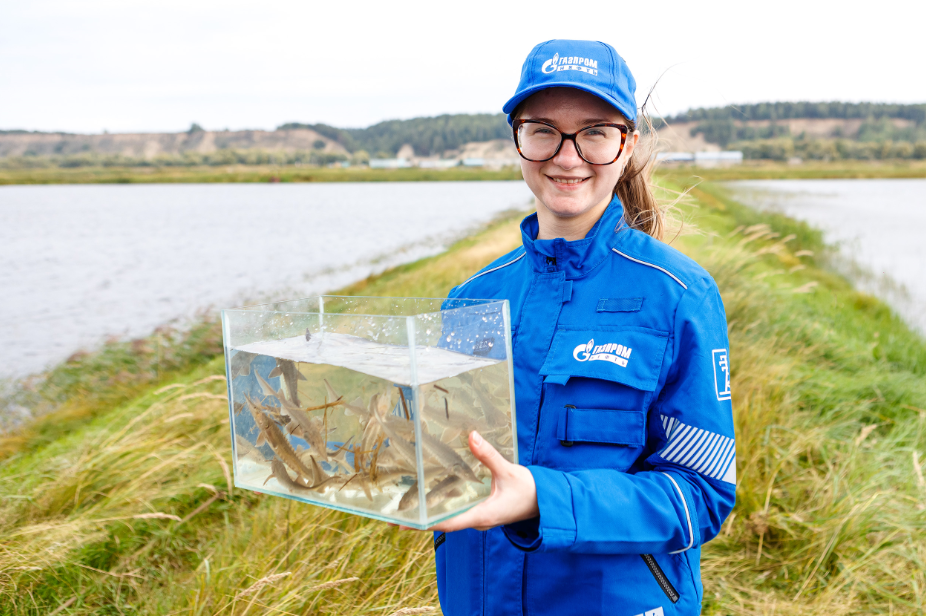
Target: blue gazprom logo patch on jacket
[
  {"x": 611, "y": 352},
  {"x": 631, "y": 356}
]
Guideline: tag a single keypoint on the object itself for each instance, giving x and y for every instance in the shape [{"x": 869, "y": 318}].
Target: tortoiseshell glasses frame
[{"x": 517, "y": 124}]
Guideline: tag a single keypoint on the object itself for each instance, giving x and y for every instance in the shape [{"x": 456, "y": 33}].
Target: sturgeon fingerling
[{"x": 365, "y": 405}]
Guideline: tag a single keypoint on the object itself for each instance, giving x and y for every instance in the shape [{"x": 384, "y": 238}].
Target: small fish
[
  {"x": 446, "y": 456},
  {"x": 291, "y": 378},
  {"x": 338, "y": 457},
  {"x": 401, "y": 446},
  {"x": 435, "y": 496},
  {"x": 320, "y": 475},
  {"x": 278, "y": 471},
  {"x": 241, "y": 363},
  {"x": 494, "y": 417},
  {"x": 333, "y": 395},
  {"x": 307, "y": 429},
  {"x": 356, "y": 408},
  {"x": 271, "y": 434},
  {"x": 265, "y": 387},
  {"x": 268, "y": 390},
  {"x": 246, "y": 451}
]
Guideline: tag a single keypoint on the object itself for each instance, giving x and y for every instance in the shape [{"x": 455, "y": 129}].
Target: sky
[{"x": 87, "y": 66}]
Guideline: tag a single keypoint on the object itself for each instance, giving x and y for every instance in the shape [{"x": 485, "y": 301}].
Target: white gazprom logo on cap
[
  {"x": 570, "y": 63},
  {"x": 614, "y": 353}
]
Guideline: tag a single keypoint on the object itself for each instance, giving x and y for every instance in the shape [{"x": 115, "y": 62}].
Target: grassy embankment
[
  {"x": 245, "y": 173},
  {"x": 131, "y": 510},
  {"x": 811, "y": 169},
  {"x": 751, "y": 170}
]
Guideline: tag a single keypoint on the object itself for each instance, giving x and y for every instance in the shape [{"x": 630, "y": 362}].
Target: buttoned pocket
[{"x": 598, "y": 384}]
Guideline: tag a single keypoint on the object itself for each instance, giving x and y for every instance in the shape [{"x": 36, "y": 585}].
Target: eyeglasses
[{"x": 600, "y": 144}]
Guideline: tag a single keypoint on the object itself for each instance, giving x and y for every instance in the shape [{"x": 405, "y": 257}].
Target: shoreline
[
  {"x": 749, "y": 170},
  {"x": 247, "y": 174}
]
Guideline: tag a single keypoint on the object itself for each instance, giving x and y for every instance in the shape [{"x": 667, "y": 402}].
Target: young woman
[{"x": 625, "y": 431}]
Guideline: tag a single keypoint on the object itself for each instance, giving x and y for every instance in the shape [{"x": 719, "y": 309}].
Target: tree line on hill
[
  {"x": 804, "y": 109},
  {"x": 878, "y": 137},
  {"x": 428, "y": 136}
]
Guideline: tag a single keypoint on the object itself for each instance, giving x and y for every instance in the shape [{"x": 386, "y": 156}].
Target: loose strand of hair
[{"x": 637, "y": 190}]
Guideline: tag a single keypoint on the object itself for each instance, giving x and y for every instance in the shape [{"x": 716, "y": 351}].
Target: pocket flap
[
  {"x": 620, "y": 304},
  {"x": 601, "y": 426},
  {"x": 628, "y": 355}
]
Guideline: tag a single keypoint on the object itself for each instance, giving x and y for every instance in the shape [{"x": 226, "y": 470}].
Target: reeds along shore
[{"x": 132, "y": 508}]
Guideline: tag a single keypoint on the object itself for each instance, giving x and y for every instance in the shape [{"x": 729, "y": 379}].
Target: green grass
[
  {"x": 830, "y": 403},
  {"x": 246, "y": 173},
  {"x": 811, "y": 169}
]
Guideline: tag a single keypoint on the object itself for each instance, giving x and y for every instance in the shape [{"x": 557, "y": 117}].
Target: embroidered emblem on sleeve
[
  {"x": 705, "y": 452},
  {"x": 721, "y": 373}
]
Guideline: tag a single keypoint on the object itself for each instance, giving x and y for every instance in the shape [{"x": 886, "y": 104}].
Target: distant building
[
  {"x": 438, "y": 164},
  {"x": 675, "y": 157},
  {"x": 499, "y": 163},
  {"x": 389, "y": 163},
  {"x": 732, "y": 157},
  {"x": 406, "y": 151},
  {"x": 702, "y": 159},
  {"x": 474, "y": 162}
]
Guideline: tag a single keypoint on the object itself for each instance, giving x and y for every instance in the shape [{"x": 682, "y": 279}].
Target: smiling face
[{"x": 571, "y": 193}]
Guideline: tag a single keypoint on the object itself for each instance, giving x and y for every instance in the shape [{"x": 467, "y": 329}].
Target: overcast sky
[{"x": 140, "y": 65}]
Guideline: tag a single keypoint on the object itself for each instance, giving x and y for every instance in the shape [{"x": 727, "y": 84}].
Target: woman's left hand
[{"x": 513, "y": 497}]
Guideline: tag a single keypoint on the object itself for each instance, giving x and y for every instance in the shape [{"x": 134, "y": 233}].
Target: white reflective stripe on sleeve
[
  {"x": 687, "y": 514},
  {"x": 661, "y": 269},
  {"x": 516, "y": 259},
  {"x": 700, "y": 450}
]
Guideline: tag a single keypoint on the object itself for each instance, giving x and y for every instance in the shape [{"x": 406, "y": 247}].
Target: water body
[
  {"x": 877, "y": 225},
  {"x": 80, "y": 263}
]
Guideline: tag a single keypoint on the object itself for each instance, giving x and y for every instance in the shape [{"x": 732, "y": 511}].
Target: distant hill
[
  {"x": 807, "y": 129},
  {"x": 152, "y": 145},
  {"x": 428, "y": 136},
  {"x": 779, "y": 130}
]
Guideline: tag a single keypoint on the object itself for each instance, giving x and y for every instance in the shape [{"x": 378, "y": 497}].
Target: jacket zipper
[
  {"x": 537, "y": 430},
  {"x": 661, "y": 578},
  {"x": 524, "y": 588}
]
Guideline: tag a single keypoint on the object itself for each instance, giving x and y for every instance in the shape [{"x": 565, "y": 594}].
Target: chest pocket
[{"x": 597, "y": 385}]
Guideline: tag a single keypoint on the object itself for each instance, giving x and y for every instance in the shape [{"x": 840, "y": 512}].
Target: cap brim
[{"x": 518, "y": 98}]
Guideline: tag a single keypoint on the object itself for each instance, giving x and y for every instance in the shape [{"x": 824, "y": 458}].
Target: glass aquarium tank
[{"x": 365, "y": 404}]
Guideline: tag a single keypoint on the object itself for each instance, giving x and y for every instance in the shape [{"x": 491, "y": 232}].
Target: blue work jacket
[{"x": 622, "y": 391}]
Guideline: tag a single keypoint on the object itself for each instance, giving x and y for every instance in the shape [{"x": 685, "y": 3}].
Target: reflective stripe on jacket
[{"x": 622, "y": 391}]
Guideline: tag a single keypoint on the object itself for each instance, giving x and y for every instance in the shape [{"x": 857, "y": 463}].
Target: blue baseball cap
[{"x": 592, "y": 66}]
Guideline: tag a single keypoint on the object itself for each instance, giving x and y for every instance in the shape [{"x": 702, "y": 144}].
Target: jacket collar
[{"x": 578, "y": 257}]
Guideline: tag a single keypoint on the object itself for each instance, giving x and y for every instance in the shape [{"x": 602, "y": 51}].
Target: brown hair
[{"x": 635, "y": 188}]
